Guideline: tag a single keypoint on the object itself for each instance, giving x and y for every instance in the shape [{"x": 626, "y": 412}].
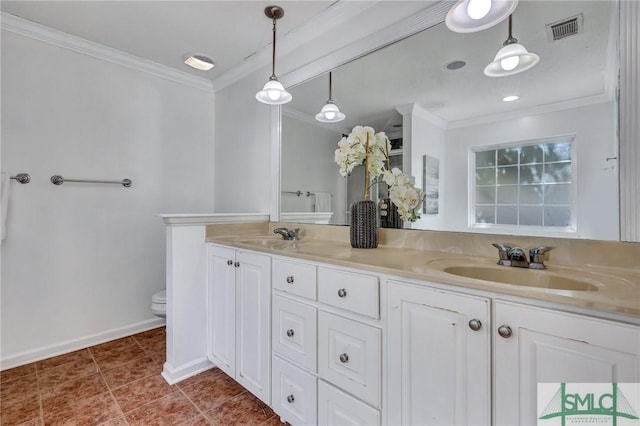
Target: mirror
[{"x": 440, "y": 114}]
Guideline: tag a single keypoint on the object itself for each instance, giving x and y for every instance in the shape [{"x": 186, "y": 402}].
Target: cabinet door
[
  {"x": 438, "y": 369},
  {"x": 547, "y": 346},
  {"x": 253, "y": 342},
  {"x": 221, "y": 309}
]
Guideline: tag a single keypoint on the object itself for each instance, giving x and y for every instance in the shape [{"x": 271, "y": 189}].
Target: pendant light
[
  {"x": 469, "y": 16},
  {"x": 330, "y": 113},
  {"x": 273, "y": 92},
  {"x": 512, "y": 59}
]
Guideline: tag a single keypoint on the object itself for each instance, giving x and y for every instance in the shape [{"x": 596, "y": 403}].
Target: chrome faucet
[
  {"x": 536, "y": 257},
  {"x": 287, "y": 234},
  {"x": 517, "y": 257}
]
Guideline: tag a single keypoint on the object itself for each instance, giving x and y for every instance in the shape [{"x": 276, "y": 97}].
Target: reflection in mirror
[{"x": 428, "y": 93}]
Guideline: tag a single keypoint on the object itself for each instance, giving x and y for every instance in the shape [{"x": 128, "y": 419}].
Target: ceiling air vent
[{"x": 564, "y": 28}]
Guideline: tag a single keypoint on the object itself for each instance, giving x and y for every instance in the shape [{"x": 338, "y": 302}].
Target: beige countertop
[{"x": 613, "y": 290}]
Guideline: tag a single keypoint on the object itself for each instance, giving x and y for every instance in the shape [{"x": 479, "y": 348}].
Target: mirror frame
[{"x": 628, "y": 102}]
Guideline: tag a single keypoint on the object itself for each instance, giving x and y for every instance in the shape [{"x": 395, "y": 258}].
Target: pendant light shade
[
  {"x": 330, "y": 113},
  {"x": 468, "y": 16},
  {"x": 273, "y": 92},
  {"x": 512, "y": 59}
]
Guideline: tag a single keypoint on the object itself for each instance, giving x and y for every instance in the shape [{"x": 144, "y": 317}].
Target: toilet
[{"x": 159, "y": 304}]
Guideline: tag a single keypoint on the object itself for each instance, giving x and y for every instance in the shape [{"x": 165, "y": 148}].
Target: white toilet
[{"x": 159, "y": 304}]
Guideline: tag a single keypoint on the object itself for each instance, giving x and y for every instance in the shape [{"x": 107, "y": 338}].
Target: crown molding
[
  {"x": 394, "y": 31},
  {"x": 306, "y": 118},
  {"x": 49, "y": 35},
  {"x": 338, "y": 13},
  {"x": 540, "y": 109}
]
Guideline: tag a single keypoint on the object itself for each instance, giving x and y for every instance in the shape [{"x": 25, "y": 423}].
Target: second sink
[{"x": 523, "y": 277}]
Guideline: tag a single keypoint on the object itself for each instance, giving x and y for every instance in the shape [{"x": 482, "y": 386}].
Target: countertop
[{"x": 605, "y": 289}]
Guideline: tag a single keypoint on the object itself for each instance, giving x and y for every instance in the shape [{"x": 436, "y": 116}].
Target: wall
[
  {"x": 597, "y": 182},
  {"x": 307, "y": 165},
  {"x": 81, "y": 261}
]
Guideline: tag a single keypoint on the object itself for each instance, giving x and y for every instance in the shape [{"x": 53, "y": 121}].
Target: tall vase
[{"x": 364, "y": 224}]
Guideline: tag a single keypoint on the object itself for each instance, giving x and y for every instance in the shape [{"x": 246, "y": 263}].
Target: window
[{"x": 529, "y": 184}]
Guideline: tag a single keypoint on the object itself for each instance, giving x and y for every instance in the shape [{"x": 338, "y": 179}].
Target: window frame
[{"x": 533, "y": 230}]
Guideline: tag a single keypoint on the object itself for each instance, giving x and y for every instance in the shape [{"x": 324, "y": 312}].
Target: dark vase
[{"x": 364, "y": 224}]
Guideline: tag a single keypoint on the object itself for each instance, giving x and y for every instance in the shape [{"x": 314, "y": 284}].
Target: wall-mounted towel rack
[
  {"x": 59, "y": 180},
  {"x": 23, "y": 178},
  {"x": 299, "y": 193}
]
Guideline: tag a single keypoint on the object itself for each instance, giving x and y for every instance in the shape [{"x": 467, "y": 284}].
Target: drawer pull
[
  {"x": 342, "y": 292},
  {"x": 290, "y": 333},
  {"x": 290, "y": 399},
  {"x": 229, "y": 262},
  {"x": 290, "y": 279},
  {"x": 344, "y": 358},
  {"x": 237, "y": 264},
  {"x": 475, "y": 324}
]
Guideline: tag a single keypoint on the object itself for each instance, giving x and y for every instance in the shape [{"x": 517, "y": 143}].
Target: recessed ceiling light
[
  {"x": 199, "y": 62},
  {"x": 510, "y": 98},
  {"x": 456, "y": 65}
]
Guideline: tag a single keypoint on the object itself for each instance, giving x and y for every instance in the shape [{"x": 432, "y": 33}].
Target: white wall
[
  {"x": 597, "y": 181},
  {"x": 307, "y": 165},
  {"x": 428, "y": 138},
  {"x": 82, "y": 260}
]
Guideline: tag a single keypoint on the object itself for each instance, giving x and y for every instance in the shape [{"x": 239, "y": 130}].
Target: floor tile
[
  {"x": 159, "y": 357},
  {"x": 56, "y": 361},
  {"x": 118, "y": 421},
  {"x": 65, "y": 372},
  {"x": 200, "y": 420},
  {"x": 20, "y": 411},
  {"x": 239, "y": 410},
  {"x": 114, "y": 345},
  {"x": 273, "y": 421},
  {"x": 153, "y": 340},
  {"x": 21, "y": 388},
  {"x": 14, "y": 373},
  {"x": 171, "y": 409},
  {"x": 118, "y": 355},
  {"x": 131, "y": 371},
  {"x": 68, "y": 393},
  {"x": 140, "y": 392},
  {"x": 200, "y": 376},
  {"x": 88, "y": 411},
  {"x": 212, "y": 391}
]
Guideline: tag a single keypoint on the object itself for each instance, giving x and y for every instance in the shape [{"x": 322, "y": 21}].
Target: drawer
[
  {"x": 354, "y": 292},
  {"x": 294, "y": 393},
  {"x": 338, "y": 408},
  {"x": 349, "y": 356},
  {"x": 294, "y": 331},
  {"x": 294, "y": 277}
]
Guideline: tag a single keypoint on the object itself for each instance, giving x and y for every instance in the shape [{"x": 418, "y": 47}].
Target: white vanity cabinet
[
  {"x": 534, "y": 345},
  {"x": 438, "y": 357},
  {"x": 327, "y": 345},
  {"x": 238, "y": 316}
]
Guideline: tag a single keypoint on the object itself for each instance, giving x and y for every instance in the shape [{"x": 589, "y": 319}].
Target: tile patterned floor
[{"x": 119, "y": 383}]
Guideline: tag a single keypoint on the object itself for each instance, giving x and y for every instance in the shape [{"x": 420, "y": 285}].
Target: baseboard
[
  {"x": 76, "y": 344},
  {"x": 173, "y": 375}
]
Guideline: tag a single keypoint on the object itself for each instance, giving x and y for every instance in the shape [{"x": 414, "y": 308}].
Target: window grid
[{"x": 500, "y": 186}]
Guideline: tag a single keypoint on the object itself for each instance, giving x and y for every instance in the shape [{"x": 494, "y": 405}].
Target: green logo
[{"x": 589, "y": 402}]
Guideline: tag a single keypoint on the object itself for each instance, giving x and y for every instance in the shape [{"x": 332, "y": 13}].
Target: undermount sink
[{"x": 522, "y": 277}]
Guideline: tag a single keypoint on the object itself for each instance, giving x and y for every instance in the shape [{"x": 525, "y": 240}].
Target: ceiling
[
  {"x": 579, "y": 68},
  {"x": 166, "y": 31}
]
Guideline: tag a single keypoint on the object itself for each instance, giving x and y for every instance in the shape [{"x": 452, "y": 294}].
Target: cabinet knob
[
  {"x": 229, "y": 262},
  {"x": 290, "y": 279},
  {"x": 290, "y": 333},
  {"x": 290, "y": 399},
  {"x": 237, "y": 264},
  {"x": 342, "y": 292},
  {"x": 505, "y": 331},
  {"x": 475, "y": 324},
  {"x": 344, "y": 358}
]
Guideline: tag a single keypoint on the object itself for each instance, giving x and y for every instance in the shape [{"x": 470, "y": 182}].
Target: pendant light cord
[
  {"x": 510, "y": 39},
  {"x": 330, "y": 97},
  {"x": 273, "y": 52}
]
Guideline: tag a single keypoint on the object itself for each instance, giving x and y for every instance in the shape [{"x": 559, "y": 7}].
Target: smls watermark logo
[{"x": 616, "y": 404}]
